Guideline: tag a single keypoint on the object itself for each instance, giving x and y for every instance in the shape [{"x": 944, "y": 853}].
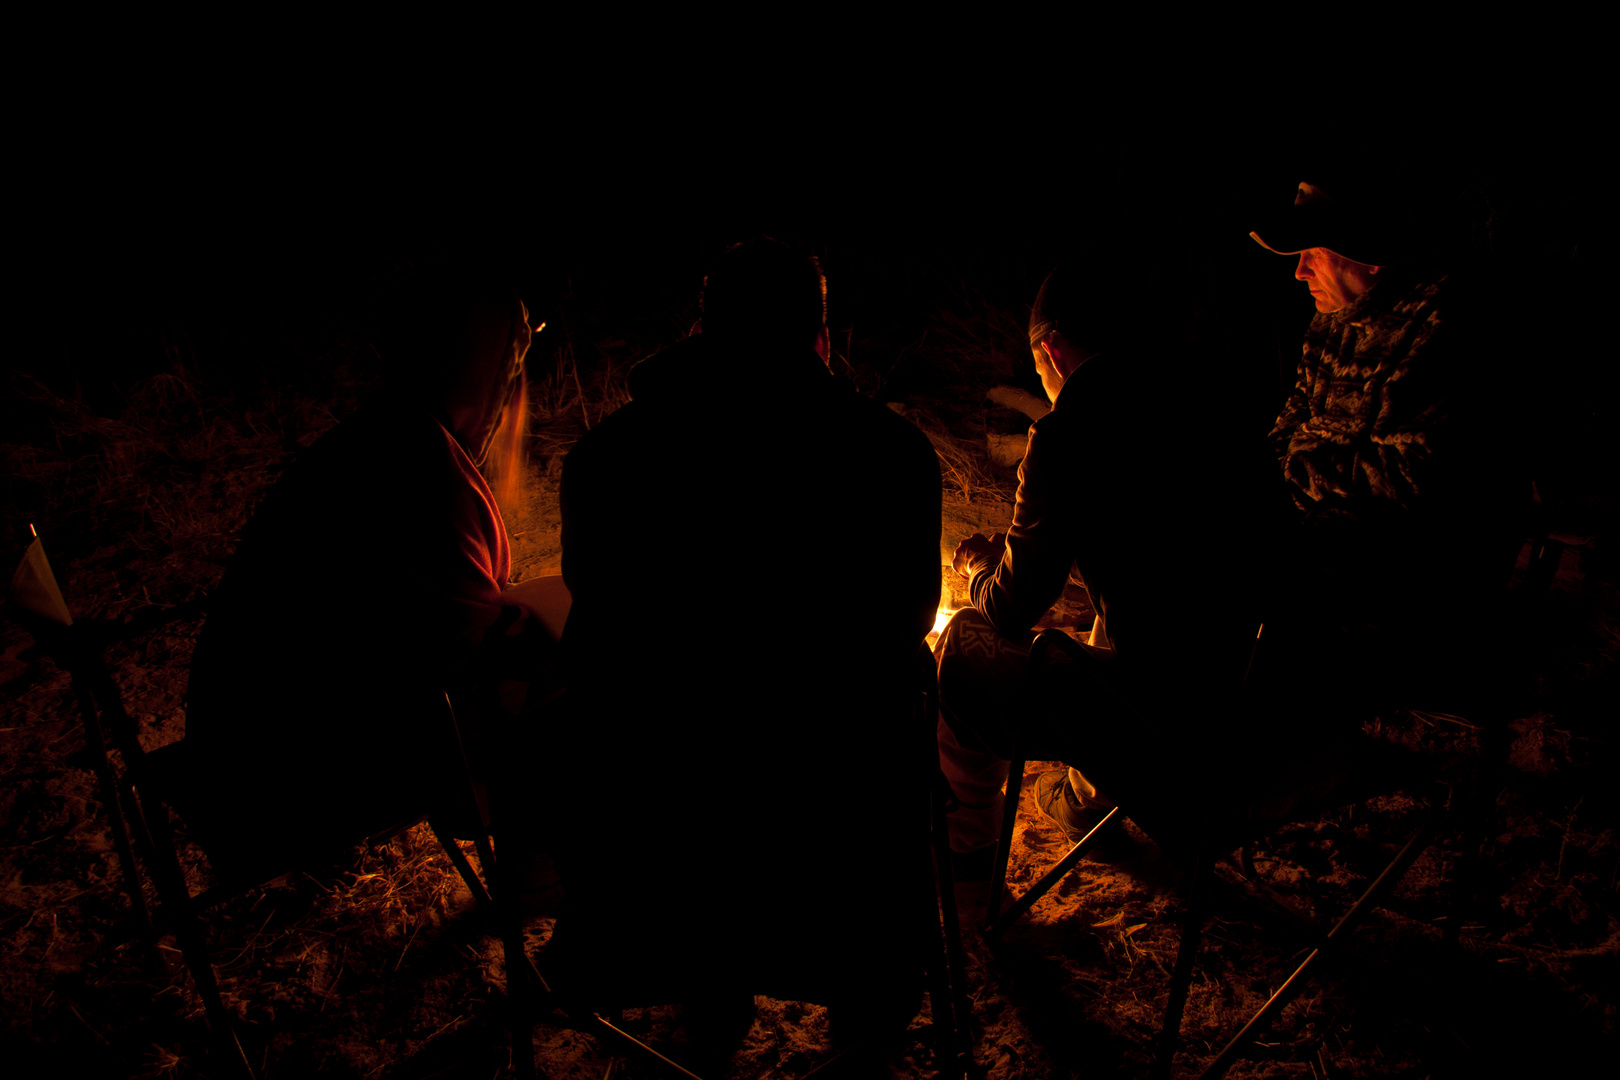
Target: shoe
[{"x": 1057, "y": 800}]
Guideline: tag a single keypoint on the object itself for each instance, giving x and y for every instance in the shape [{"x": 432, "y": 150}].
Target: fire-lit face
[
  {"x": 1056, "y": 358},
  {"x": 1051, "y": 381},
  {"x": 1335, "y": 281}
]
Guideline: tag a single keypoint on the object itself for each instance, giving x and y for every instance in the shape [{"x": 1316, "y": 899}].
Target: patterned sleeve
[
  {"x": 1362, "y": 426},
  {"x": 1296, "y": 409}
]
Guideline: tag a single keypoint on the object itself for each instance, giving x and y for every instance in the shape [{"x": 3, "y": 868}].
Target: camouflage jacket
[{"x": 1373, "y": 403}]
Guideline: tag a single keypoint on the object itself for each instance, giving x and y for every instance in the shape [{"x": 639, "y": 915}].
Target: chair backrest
[
  {"x": 34, "y": 599},
  {"x": 33, "y": 596},
  {"x": 177, "y": 774},
  {"x": 152, "y": 783}
]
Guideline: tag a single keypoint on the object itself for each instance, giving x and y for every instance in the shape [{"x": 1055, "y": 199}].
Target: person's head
[
  {"x": 764, "y": 292},
  {"x": 1345, "y": 229},
  {"x": 458, "y": 345},
  {"x": 1335, "y": 281},
  {"x": 1081, "y": 308}
]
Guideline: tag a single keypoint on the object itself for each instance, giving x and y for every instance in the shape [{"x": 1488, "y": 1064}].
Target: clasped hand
[{"x": 978, "y": 552}]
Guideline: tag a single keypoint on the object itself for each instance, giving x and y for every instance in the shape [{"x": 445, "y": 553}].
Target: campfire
[{"x": 143, "y": 458}]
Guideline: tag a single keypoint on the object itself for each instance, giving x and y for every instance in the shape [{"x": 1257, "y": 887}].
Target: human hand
[{"x": 978, "y": 552}]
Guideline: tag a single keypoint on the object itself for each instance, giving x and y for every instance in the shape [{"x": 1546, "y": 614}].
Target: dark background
[
  {"x": 229, "y": 233},
  {"x": 255, "y": 244}
]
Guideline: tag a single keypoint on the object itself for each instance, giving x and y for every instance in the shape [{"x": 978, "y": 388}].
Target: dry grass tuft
[
  {"x": 170, "y": 479},
  {"x": 568, "y": 399},
  {"x": 982, "y": 338},
  {"x": 964, "y": 464}
]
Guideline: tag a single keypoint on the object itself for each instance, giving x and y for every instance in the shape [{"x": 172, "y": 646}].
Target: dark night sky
[{"x": 270, "y": 217}]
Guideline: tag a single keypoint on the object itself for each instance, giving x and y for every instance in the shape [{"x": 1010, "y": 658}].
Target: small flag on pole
[{"x": 33, "y": 587}]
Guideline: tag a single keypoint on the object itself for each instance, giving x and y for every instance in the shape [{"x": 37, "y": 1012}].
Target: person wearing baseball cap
[{"x": 1392, "y": 442}]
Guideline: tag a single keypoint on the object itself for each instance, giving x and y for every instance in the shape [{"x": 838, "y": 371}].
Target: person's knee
[
  {"x": 981, "y": 678},
  {"x": 971, "y": 652},
  {"x": 966, "y": 623}
]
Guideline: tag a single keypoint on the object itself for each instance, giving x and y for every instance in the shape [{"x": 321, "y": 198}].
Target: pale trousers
[{"x": 985, "y": 704}]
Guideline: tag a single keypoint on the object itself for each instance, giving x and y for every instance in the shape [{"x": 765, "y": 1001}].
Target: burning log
[
  {"x": 1013, "y": 398},
  {"x": 1007, "y": 450}
]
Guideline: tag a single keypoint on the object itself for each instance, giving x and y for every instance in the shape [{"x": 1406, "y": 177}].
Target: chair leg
[
  {"x": 1192, "y": 931},
  {"x": 1009, "y": 818},
  {"x": 1477, "y": 805},
  {"x": 1346, "y": 925},
  {"x": 463, "y": 867},
  {"x": 1070, "y": 859},
  {"x": 948, "y": 984},
  {"x": 521, "y": 977},
  {"x": 194, "y": 950},
  {"x": 108, "y": 789},
  {"x": 936, "y": 949},
  {"x": 1465, "y": 884},
  {"x": 179, "y": 910},
  {"x": 671, "y": 1067}
]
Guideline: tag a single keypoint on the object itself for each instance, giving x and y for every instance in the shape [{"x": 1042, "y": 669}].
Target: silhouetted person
[
  {"x": 363, "y": 587},
  {"x": 1380, "y": 524},
  {"x": 752, "y": 549},
  {"x": 1396, "y": 443},
  {"x": 1138, "y": 482}
]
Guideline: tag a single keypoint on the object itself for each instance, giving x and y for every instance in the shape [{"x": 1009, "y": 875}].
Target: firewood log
[
  {"x": 1007, "y": 450},
  {"x": 1025, "y": 402}
]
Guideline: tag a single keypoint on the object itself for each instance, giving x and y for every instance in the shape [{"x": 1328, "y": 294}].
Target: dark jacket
[
  {"x": 1136, "y": 479},
  {"x": 758, "y": 730},
  {"x": 357, "y": 598}
]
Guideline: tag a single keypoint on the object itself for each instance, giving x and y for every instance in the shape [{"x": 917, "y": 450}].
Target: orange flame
[
  {"x": 504, "y": 462},
  {"x": 941, "y": 617}
]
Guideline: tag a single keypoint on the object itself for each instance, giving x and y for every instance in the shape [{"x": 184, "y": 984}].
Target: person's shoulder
[
  {"x": 611, "y": 441},
  {"x": 386, "y": 425},
  {"x": 1405, "y": 295},
  {"x": 877, "y": 419},
  {"x": 667, "y": 370},
  {"x": 1101, "y": 387},
  {"x": 1064, "y": 430}
]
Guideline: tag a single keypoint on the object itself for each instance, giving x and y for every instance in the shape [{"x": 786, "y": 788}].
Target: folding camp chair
[
  {"x": 1525, "y": 611},
  {"x": 1198, "y": 844},
  {"x": 139, "y": 797},
  {"x": 1338, "y": 771},
  {"x": 935, "y": 908}
]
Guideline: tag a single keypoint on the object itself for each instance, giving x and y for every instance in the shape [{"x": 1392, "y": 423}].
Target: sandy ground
[{"x": 385, "y": 968}]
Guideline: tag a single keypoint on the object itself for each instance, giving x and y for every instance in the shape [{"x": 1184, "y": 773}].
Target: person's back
[
  {"x": 357, "y": 598},
  {"x": 1160, "y": 502},
  {"x": 752, "y": 731}
]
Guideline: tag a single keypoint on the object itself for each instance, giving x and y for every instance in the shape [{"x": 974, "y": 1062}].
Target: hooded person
[
  {"x": 363, "y": 587},
  {"x": 755, "y": 734}
]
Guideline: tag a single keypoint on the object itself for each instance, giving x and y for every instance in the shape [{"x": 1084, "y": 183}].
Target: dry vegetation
[{"x": 383, "y": 967}]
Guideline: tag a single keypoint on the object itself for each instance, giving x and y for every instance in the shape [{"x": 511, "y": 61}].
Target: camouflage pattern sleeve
[{"x": 1370, "y": 404}]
